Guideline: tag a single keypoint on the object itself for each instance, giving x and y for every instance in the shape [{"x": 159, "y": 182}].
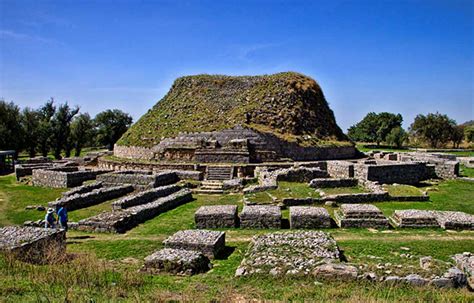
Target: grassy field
[
  {"x": 104, "y": 267},
  {"x": 363, "y": 147}
]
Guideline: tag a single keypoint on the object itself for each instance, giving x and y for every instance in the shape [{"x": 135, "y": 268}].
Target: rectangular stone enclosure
[
  {"x": 260, "y": 216},
  {"x": 360, "y": 215},
  {"x": 216, "y": 216},
  {"x": 309, "y": 217},
  {"x": 176, "y": 261},
  {"x": 210, "y": 243},
  {"x": 33, "y": 244}
]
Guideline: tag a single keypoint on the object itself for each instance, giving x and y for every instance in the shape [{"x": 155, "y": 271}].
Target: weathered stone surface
[
  {"x": 415, "y": 280},
  {"x": 358, "y": 197},
  {"x": 94, "y": 197},
  {"x": 336, "y": 271},
  {"x": 144, "y": 197},
  {"x": 82, "y": 189},
  {"x": 465, "y": 262},
  {"x": 120, "y": 221},
  {"x": 216, "y": 216},
  {"x": 457, "y": 276},
  {"x": 32, "y": 244},
  {"x": 288, "y": 253},
  {"x": 139, "y": 179},
  {"x": 360, "y": 215},
  {"x": 208, "y": 242},
  {"x": 426, "y": 262},
  {"x": 309, "y": 217},
  {"x": 63, "y": 177},
  {"x": 414, "y": 218},
  {"x": 260, "y": 216},
  {"x": 387, "y": 172},
  {"x": 442, "y": 283},
  {"x": 333, "y": 182},
  {"x": 443, "y": 167},
  {"x": 176, "y": 261},
  {"x": 454, "y": 220}
]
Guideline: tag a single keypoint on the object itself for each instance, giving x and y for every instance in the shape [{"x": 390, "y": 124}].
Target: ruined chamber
[{"x": 246, "y": 119}]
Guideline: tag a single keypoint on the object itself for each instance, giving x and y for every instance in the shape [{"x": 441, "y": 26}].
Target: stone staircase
[
  {"x": 219, "y": 173},
  {"x": 210, "y": 187}
]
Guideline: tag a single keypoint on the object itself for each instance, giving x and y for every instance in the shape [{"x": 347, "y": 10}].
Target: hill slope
[{"x": 289, "y": 105}]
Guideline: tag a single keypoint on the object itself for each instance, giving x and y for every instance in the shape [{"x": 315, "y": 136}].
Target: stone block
[
  {"x": 360, "y": 215},
  {"x": 176, "y": 261},
  {"x": 260, "y": 216},
  {"x": 309, "y": 217},
  {"x": 216, "y": 216},
  {"x": 414, "y": 218},
  {"x": 454, "y": 220},
  {"x": 208, "y": 242}
]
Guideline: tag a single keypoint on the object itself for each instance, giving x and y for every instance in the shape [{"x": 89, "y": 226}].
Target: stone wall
[
  {"x": 444, "y": 165},
  {"x": 120, "y": 221},
  {"x": 32, "y": 244},
  {"x": 93, "y": 197},
  {"x": 403, "y": 173},
  {"x": 82, "y": 189},
  {"x": 333, "y": 182},
  {"x": 133, "y": 152},
  {"x": 340, "y": 169},
  {"x": 144, "y": 197},
  {"x": 139, "y": 179},
  {"x": 63, "y": 177}
]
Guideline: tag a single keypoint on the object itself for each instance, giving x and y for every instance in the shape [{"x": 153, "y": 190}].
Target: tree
[
  {"x": 111, "y": 125},
  {"x": 436, "y": 129},
  {"x": 30, "y": 121},
  {"x": 375, "y": 127},
  {"x": 61, "y": 130},
  {"x": 457, "y": 135},
  {"x": 82, "y": 132},
  {"x": 46, "y": 113},
  {"x": 11, "y": 134},
  {"x": 397, "y": 137},
  {"x": 469, "y": 133}
]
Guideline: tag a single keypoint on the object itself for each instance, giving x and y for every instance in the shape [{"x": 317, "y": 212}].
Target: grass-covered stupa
[{"x": 235, "y": 119}]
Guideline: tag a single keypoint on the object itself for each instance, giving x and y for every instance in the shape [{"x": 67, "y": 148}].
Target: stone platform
[
  {"x": 208, "y": 242},
  {"x": 414, "y": 218},
  {"x": 33, "y": 244},
  {"x": 260, "y": 216},
  {"x": 288, "y": 253},
  {"x": 176, "y": 261},
  {"x": 309, "y": 217},
  {"x": 216, "y": 216},
  {"x": 146, "y": 196},
  {"x": 360, "y": 215},
  {"x": 454, "y": 220}
]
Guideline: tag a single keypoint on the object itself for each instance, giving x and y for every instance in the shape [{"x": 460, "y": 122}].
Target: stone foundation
[
  {"x": 414, "y": 218},
  {"x": 82, "y": 189},
  {"x": 260, "y": 216},
  {"x": 139, "y": 179},
  {"x": 94, "y": 197},
  {"x": 454, "y": 220},
  {"x": 176, "y": 261},
  {"x": 333, "y": 182},
  {"x": 360, "y": 216},
  {"x": 120, "y": 221},
  {"x": 210, "y": 243},
  {"x": 216, "y": 216},
  {"x": 309, "y": 217},
  {"x": 32, "y": 244},
  {"x": 63, "y": 177},
  {"x": 144, "y": 197}
]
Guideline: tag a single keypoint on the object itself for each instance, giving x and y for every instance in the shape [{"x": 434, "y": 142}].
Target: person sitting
[
  {"x": 49, "y": 219},
  {"x": 62, "y": 216}
]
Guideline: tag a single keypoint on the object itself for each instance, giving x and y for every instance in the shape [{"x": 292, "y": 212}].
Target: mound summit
[{"x": 273, "y": 114}]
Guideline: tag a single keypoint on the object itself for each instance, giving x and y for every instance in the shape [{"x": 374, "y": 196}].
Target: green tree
[
  {"x": 11, "y": 133},
  {"x": 397, "y": 137},
  {"x": 469, "y": 133},
  {"x": 82, "y": 132},
  {"x": 46, "y": 113},
  {"x": 61, "y": 130},
  {"x": 30, "y": 121},
  {"x": 111, "y": 125},
  {"x": 375, "y": 127},
  {"x": 435, "y": 129},
  {"x": 457, "y": 135}
]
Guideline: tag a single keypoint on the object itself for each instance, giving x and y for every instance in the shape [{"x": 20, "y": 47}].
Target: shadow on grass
[{"x": 225, "y": 253}]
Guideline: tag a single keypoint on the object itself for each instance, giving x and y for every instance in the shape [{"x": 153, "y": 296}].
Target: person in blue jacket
[
  {"x": 49, "y": 219},
  {"x": 62, "y": 216}
]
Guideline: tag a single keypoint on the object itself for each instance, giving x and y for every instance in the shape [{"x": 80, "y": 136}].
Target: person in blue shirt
[
  {"x": 49, "y": 219},
  {"x": 62, "y": 216}
]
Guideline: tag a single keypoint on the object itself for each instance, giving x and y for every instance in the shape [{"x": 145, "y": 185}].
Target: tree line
[
  {"x": 434, "y": 129},
  {"x": 58, "y": 128}
]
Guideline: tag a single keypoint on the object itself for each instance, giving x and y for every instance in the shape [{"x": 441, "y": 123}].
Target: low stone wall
[
  {"x": 139, "y": 179},
  {"x": 358, "y": 198},
  {"x": 33, "y": 244},
  {"x": 82, "y": 189},
  {"x": 402, "y": 173},
  {"x": 94, "y": 197},
  {"x": 333, "y": 182},
  {"x": 23, "y": 170},
  {"x": 445, "y": 166},
  {"x": 144, "y": 197},
  {"x": 120, "y": 221},
  {"x": 340, "y": 169},
  {"x": 133, "y": 152},
  {"x": 59, "y": 178}
]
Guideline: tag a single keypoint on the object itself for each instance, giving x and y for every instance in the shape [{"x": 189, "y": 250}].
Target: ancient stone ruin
[
  {"x": 216, "y": 216},
  {"x": 360, "y": 215}
]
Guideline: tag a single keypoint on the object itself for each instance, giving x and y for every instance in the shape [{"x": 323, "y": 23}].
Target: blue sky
[{"x": 406, "y": 57}]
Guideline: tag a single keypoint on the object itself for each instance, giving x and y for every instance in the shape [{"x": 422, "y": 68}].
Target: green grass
[
  {"x": 284, "y": 190},
  {"x": 344, "y": 190},
  {"x": 466, "y": 171},
  {"x": 106, "y": 265},
  {"x": 403, "y": 190}
]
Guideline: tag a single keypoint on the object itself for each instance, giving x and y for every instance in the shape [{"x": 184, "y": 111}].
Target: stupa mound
[{"x": 213, "y": 118}]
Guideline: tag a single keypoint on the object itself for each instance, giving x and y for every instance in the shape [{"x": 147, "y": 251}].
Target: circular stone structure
[{"x": 244, "y": 119}]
